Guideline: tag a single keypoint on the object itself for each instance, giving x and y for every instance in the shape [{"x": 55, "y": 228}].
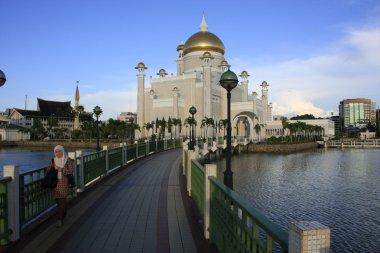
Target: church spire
[
  {"x": 204, "y": 26},
  {"x": 77, "y": 93},
  {"x": 76, "y": 109}
]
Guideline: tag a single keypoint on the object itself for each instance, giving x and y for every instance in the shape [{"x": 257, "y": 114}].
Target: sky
[{"x": 312, "y": 53}]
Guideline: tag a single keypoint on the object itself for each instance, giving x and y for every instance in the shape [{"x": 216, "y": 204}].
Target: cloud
[{"x": 349, "y": 69}]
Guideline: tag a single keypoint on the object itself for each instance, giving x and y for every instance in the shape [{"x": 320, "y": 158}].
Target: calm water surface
[
  {"x": 27, "y": 158},
  {"x": 338, "y": 188}
]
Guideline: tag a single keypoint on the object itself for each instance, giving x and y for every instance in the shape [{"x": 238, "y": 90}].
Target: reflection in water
[{"x": 338, "y": 188}]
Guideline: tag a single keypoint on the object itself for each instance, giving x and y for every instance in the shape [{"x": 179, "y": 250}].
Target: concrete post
[
  {"x": 309, "y": 236},
  {"x": 184, "y": 151},
  {"x": 107, "y": 163},
  {"x": 122, "y": 153},
  {"x": 72, "y": 155},
  {"x": 80, "y": 187},
  {"x": 13, "y": 201},
  {"x": 191, "y": 156},
  {"x": 210, "y": 170}
]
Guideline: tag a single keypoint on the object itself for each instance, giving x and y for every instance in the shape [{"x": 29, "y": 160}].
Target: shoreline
[{"x": 69, "y": 144}]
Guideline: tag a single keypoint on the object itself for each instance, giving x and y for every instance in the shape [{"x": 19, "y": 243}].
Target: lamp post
[
  {"x": 192, "y": 111},
  {"x": 2, "y": 78},
  {"x": 228, "y": 80},
  {"x": 97, "y": 111}
]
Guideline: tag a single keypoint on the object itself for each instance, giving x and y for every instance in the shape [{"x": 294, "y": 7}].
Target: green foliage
[{"x": 304, "y": 116}]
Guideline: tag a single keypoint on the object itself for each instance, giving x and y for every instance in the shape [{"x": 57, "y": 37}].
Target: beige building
[{"x": 200, "y": 63}]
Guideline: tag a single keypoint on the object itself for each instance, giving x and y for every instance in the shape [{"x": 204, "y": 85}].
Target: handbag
[
  {"x": 71, "y": 179},
  {"x": 50, "y": 179}
]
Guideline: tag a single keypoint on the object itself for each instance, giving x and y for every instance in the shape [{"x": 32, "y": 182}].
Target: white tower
[{"x": 140, "y": 94}]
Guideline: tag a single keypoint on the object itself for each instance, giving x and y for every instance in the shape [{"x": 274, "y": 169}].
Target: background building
[
  {"x": 200, "y": 63},
  {"x": 357, "y": 113}
]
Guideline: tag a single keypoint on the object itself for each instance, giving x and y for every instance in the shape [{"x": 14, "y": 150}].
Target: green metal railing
[
  {"x": 94, "y": 166},
  {"x": 160, "y": 145},
  {"x": 115, "y": 158},
  {"x": 197, "y": 189},
  {"x": 4, "y": 231},
  {"x": 131, "y": 152},
  {"x": 34, "y": 199},
  {"x": 141, "y": 150},
  {"x": 235, "y": 226},
  {"x": 152, "y": 146}
]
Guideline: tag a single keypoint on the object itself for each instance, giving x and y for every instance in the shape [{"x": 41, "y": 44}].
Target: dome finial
[{"x": 204, "y": 26}]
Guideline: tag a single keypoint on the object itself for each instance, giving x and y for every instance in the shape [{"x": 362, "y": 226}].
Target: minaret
[
  {"x": 140, "y": 94},
  {"x": 264, "y": 100},
  {"x": 207, "y": 104},
  {"x": 244, "y": 84},
  {"x": 76, "y": 109},
  {"x": 180, "y": 59}
]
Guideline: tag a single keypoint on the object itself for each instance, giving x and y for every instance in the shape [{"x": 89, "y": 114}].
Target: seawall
[
  {"x": 66, "y": 143},
  {"x": 280, "y": 148}
]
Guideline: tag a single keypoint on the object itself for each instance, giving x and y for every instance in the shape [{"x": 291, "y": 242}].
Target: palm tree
[
  {"x": 176, "y": 122},
  {"x": 223, "y": 123},
  {"x": 148, "y": 126},
  {"x": 258, "y": 127},
  {"x": 285, "y": 124}
]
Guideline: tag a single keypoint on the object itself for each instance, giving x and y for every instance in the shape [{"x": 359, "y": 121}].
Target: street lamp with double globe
[
  {"x": 192, "y": 111},
  {"x": 97, "y": 111},
  {"x": 228, "y": 80},
  {"x": 2, "y": 78}
]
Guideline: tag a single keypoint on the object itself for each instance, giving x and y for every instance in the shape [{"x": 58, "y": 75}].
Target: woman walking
[{"x": 64, "y": 165}]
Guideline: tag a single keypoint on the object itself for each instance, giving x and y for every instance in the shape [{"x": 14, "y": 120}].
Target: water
[
  {"x": 27, "y": 158},
  {"x": 338, "y": 188}
]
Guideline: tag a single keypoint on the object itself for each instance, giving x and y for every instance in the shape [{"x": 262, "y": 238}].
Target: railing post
[
  {"x": 122, "y": 153},
  {"x": 13, "y": 201},
  {"x": 184, "y": 153},
  {"x": 107, "y": 161},
  {"x": 137, "y": 150},
  {"x": 72, "y": 155},
  {"x": 191, "y": 155},
  {"x": 146, "y": 147},
  {"x": 210, "y": 170},
  {"x": 308, "y": 236},
  {"x": 81, "y": 171}
]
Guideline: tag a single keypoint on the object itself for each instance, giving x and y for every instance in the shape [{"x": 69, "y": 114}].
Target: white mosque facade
[{"x": 200, "y": 64}]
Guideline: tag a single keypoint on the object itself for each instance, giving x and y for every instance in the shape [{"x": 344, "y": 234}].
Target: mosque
[{"x": 200, "y": 64}]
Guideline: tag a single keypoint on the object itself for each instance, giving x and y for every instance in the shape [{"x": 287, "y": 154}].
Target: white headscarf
[{"x": 60, "y": 161}]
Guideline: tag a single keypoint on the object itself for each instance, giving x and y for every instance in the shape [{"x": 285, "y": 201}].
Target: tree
[
  {"x": 258, "y": 129},
  {"x": 176, "y": 122},
  {"x": 304, "y": 116},
  {"x": 37, "y": 130},
  {"x": 285, "y": 124},
  {"x": 148, "y": 126}
]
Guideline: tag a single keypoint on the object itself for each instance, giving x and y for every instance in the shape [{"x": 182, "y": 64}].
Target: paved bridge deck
[{"x": 138, "y": 209}]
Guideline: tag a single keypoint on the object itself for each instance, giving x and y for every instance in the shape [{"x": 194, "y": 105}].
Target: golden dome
[{"x": 203, "y": 41}]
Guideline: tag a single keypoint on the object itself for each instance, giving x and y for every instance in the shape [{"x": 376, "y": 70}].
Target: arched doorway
[{"x": 243, "y": 125}]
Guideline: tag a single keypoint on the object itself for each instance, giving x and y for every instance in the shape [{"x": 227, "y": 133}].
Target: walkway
[{"x": 139, "y": 209}]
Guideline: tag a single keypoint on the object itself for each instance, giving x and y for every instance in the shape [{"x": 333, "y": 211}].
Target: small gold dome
[
  {"x": 162, "y": 72},
  {"x": 180, "y": 47},
  {"x": 204, "y": 41},
  {"x": 244, "y": 74},
  {"x": 141, "y": 65}
]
